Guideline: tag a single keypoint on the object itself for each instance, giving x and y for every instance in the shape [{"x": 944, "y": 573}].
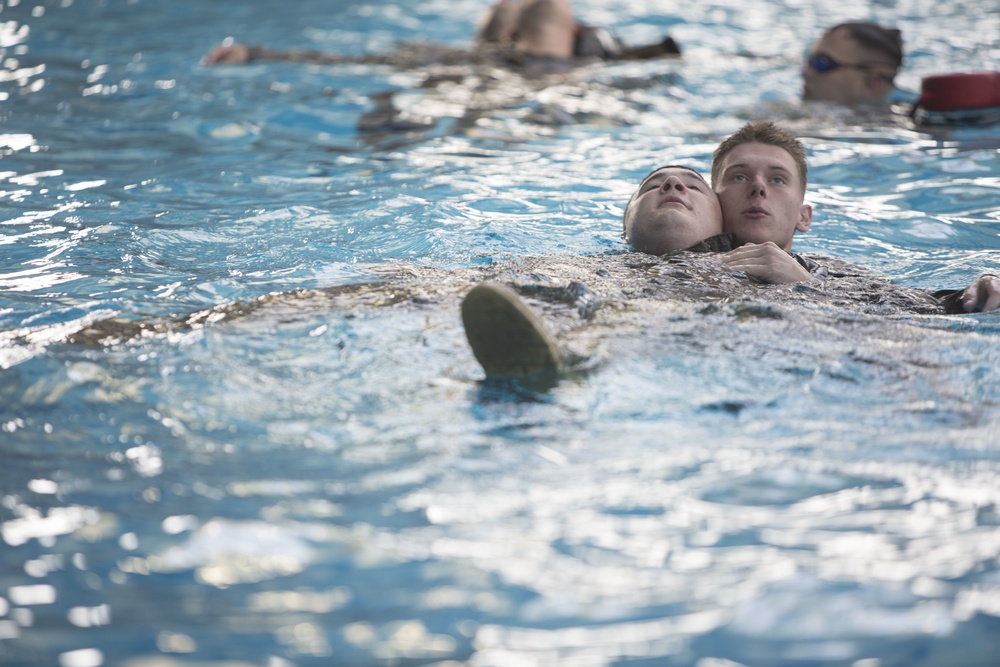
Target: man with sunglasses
[{"x": 853, "y": 64}]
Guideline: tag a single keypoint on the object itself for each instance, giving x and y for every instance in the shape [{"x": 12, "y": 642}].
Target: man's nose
[
  {"x": 758, "y": 187},
  {"x": 671, "y": 182}
]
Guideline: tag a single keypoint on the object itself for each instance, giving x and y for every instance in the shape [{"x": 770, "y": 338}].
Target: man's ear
[{"x": 805, "y": 218}]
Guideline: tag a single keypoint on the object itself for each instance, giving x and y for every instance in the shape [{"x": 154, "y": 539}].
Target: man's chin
[
  {"x": 747, "y": 229},
  {"x": 750, "y": 236}
]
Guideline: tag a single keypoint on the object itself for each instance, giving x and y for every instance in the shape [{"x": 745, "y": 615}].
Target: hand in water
[
  {"x": 766, "y": 262},
  {"x": 982, "y": 295}
]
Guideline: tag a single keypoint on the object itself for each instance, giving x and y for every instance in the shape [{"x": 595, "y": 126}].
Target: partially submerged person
[
  {"x": 514, "y": 32},
  {"x": 854, "y": 64},
  {"x": 673, "y": 208},
  {"x": 541, "y": 28},
  {"x": 547, "y": 28},
  {"x": 756, "y": 206},
  {"x": 760, "y": 175}
]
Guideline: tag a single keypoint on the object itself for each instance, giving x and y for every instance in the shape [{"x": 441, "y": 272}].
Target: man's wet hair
[
  {"x": 885, "y": 41},
  {"x": 761, "y": 132}
]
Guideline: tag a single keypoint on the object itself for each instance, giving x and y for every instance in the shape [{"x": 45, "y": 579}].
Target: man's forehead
[
  {"x": 756, "y": 155},
  {"x": 758, "y": 164},
  {"x": 673, "y": 167},
  {"x": 841, "y": 37}
]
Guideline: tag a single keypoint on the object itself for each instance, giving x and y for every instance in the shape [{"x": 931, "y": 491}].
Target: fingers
[
  {"x": 742, "y": 263},
  {"x": 766, "y": 262},
  {"x": 762, "y": 252},
  {"x": 740, "y": 260},
  {"x": 766, "y": 249},
  {"x": 741, "y": 257},
  {"x": 982, "y": 295}
]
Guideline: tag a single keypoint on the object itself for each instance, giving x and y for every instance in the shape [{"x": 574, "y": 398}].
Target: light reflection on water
[{"x": 315, "y": 485}]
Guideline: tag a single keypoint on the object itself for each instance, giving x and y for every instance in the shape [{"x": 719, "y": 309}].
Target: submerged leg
[{"x": 506, "y": 337}]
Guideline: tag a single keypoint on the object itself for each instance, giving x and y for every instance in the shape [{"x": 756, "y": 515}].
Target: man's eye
[
  {"x": 780, "y": 180},
  {"x": 739, "y": 178}
]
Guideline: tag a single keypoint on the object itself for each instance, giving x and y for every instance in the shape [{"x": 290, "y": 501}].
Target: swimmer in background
[
  {"x": 547, "y": 28},
  {"x": 516, "y": 32},
  {"x": 855, "y": 64},
  {"x": 542, "y": 29}
]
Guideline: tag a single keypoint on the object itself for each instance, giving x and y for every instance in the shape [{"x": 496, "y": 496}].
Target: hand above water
[
  {"x": 766, "y": 262},
  {"x": 982, "y": 295}
]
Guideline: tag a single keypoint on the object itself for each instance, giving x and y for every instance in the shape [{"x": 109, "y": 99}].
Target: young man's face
[
  {"x": 762, "y": 195},
  {"x": 673, "y": 209}
]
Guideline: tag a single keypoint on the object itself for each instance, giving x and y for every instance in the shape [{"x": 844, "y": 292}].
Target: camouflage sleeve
[
  {"x": 950, "y": 300},
  {"x": 815, "y": 269}
]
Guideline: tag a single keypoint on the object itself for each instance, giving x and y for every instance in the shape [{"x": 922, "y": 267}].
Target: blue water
[{"x": 314, "y": 485}]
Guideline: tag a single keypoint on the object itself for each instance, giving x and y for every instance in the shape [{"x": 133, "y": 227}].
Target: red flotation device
[{"x": 965, "y": 97}]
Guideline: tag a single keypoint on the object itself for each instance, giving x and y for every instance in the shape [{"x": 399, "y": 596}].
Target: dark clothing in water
[
  {"x": 599, "y": 43},
  {"x": 949, "y": 299}
]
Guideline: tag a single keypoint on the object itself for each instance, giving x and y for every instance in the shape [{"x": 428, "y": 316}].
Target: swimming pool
[{"x": 327, "y": 481}]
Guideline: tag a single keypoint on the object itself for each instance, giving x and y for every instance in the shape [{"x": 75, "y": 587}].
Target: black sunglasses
[{"x": 822, "y": 63}]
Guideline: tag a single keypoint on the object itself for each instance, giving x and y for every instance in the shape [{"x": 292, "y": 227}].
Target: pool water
[{"x": 310, "y": 480}]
